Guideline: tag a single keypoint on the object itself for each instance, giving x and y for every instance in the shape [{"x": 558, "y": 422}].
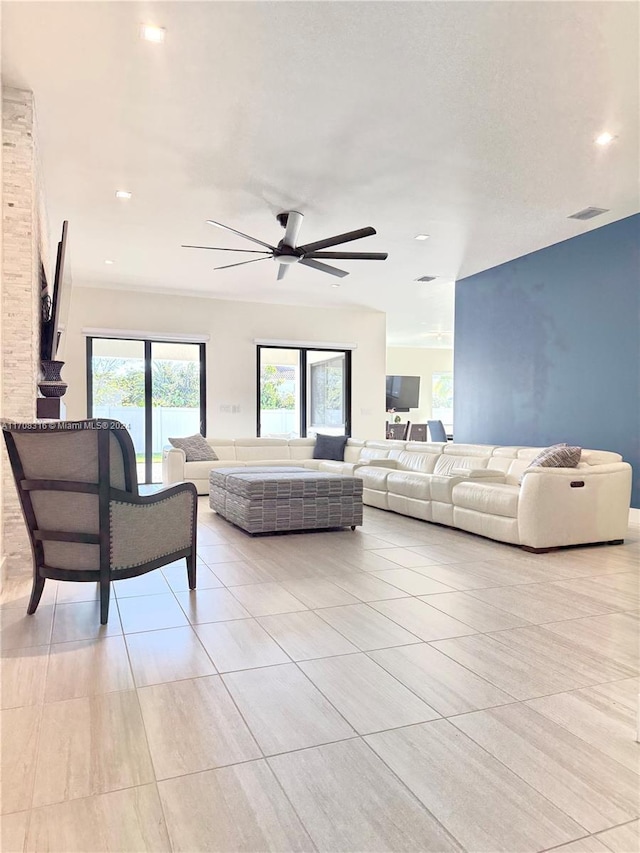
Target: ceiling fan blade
[
  {"x": 242, "y": 263},
  {"x": 282, "y": 271},
  {"x": 220, "y": 249},
  {"x": 350, "y": 256},
  {"x": 335, "y": 241},
  {"x": 239, "y": 233},
  {"x": 323, "y": 267},
  {"x": 294, "y": 221}
]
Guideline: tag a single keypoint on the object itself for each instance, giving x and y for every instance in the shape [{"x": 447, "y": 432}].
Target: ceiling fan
[{"x": 288, "y": 252}]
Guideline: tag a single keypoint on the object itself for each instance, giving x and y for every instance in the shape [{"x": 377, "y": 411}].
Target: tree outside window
[
  {"x": 442, "y": 397},
  {"x": 275, "y": 388}
]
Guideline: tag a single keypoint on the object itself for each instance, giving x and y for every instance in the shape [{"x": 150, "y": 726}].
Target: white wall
[
  {"x": 231, "y": 351},
  {"x": 422, "y": 362}
]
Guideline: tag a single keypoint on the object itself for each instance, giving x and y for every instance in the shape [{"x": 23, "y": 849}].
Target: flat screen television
[
  {"x": 403, "y": 393},
  {"x": 54, "y": 309}
]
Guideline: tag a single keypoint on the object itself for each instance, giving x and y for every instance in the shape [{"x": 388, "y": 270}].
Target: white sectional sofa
[
  {"x": 243, "y": 452},
  {"x": 480, "y": 488}
]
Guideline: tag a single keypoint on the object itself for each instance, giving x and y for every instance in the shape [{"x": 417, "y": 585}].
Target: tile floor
[{"x": 402, "y": 688}]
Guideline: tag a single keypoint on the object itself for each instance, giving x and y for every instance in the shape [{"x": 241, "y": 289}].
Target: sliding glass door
[
  {"x": 326, "y": 392},
  {"x": 177, "y": 395},
  {"x": 156, "y": 388},
  {"x": 303, "y": 391}
]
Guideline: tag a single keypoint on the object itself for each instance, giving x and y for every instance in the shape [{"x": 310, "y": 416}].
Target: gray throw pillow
[
  {"x": 195, "y": 447},
  {"x": 330, "y": 447},
  {"x": 557, "y": 456}
]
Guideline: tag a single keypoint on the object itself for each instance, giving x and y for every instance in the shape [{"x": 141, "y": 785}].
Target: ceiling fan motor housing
[{"x": 284, "y": 251}]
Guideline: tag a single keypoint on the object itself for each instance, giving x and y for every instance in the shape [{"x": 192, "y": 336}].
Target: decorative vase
[{"x": 52, "y": 384}]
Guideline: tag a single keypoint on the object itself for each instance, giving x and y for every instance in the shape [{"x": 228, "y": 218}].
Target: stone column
[{"x": 20, "y": 301}]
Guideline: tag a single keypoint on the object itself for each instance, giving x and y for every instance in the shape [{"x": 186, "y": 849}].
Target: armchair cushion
[{"x": 196, "y": 448}]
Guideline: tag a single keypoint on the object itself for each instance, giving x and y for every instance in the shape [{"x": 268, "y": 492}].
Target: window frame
[{"x": 302, "y": 352}]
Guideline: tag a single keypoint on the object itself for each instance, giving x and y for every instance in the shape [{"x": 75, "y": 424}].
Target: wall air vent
[
  {"x": 426, "y": 278},
  {"x": 588, "y": 213}
]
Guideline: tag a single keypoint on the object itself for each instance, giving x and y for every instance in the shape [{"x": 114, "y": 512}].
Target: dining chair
[
  {"x": 418, "y": 432},
  {"x": 437, "y": 431}
]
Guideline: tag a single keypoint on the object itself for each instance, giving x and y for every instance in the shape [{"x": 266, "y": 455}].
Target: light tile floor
[{"x": 402, "y": 688}]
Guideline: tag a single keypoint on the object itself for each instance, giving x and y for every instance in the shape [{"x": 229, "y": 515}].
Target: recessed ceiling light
[
  {"x": 150, "y": 33},
  {"x": 426, "y": 278},
  {"x": 605, "y": 138},
  {"x": 123, "y": 194},
  {"x": 421, "y": 237},
  {"x": 108, "y": 262},
  {"x": 335, "y": 285}
]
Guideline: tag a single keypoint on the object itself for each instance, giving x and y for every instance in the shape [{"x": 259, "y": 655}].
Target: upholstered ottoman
[{"x": 267, "y": 500}]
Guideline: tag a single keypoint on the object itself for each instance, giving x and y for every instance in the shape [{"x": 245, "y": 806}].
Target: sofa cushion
[
  {"x": 311, "y": 464},
  {"x": 425, "y": 447},
  {"x": 224, "y": 448},
  {"x": 254, "y": 449},
  {"x": 261, "y": 463},
  {"x": 373, "y": 478},
  {"x": 492, "y": 498},
  {"x": 352, "y": 450},
  {"x": 414, "y": 461},
  {"x": 196, "y": 448},
  {"x": 411, "y": 484},
  {"x": 333, "y": 467},
  {"x": 373, "y": 453},
  {"x": 468, "y": 449},
  {"x": 557, "y": 456},
  {"x": 599, "y": 457},
  {"x": 200, "y": 470},
  {"x": 301, "y": 448},
  {"x": 386, "y": 444},
  {"x": 330, "y": 447}
]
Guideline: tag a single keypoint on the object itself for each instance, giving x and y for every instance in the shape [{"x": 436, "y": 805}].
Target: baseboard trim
[{"x": 634, "y": 516}]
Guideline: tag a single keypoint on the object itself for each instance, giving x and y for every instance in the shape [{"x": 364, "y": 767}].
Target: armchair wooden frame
[{"x": 105, "y": 493}]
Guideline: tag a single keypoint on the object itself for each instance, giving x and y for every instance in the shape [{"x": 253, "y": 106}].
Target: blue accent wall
[{"x": 547, "y": 347}]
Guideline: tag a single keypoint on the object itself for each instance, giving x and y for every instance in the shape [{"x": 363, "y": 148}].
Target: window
[
  {"x": 155, "y": 388},
  {"x": 442, "y": 399},
  {"x": 303, "y": 391}
]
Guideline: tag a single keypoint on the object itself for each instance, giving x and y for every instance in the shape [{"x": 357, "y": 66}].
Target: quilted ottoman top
[{"x": 261, "y": 483}]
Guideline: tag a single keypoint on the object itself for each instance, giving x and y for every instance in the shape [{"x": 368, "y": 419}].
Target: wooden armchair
[{"x": 78, "y": 489}]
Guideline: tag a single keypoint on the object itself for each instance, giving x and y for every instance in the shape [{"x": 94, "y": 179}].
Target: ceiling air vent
[
  {"x": 426, "y": 278},
  {"x": 588, "y": 213}
]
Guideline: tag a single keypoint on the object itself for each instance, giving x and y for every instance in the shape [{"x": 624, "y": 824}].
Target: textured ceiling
[{"x": 471, "y": 122}]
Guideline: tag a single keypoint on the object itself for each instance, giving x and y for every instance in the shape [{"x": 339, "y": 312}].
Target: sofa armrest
[
  {"x": 479, "y": 474},
  {"x": 573, "y": 506},
  {"x": 441, "y": 486},
  {"x": 379, "y": 463},
  {"x": 576, "y": 473},
  {"x": 173, "y": 462}
]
